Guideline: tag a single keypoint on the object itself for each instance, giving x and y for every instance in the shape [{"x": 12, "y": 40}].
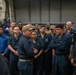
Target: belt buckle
[{"x": 23, "y": 60}]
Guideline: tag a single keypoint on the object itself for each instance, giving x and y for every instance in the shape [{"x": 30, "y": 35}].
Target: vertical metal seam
[
  {"x": 14, "y": 10},
  {"x": 29, "y": 11},
  {"x": 49, "y": 11},
  {"x": 40, "y": 12},
  {"x": 60, "y": 10}
]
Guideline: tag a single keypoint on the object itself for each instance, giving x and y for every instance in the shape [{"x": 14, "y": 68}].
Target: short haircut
[
  {"x": 15, "y": 26},
  {"x": 34, "y": 31},
  {"x": 42, "y": 26},
  {"x": 35, "y": 24},
  {"x": 59, "y": 26},
  {"x": 12, "y": 21}
]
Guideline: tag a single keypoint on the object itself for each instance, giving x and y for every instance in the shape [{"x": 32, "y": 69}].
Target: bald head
[
  {"x": 68, "y": 25},
  {"x": 69, "y": 22}
]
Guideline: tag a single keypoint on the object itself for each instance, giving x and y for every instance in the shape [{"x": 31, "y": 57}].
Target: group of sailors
[{"x": 38, "y": 50}]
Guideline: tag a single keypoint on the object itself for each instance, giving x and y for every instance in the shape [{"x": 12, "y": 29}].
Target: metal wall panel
[
  {"x": 44, "y": 11},
  {"x": 68, "y": 10},
  {"x": 34, "y": 11},
  {"x": 21, "y": 11},
  {"x": 55, "y": 11}
]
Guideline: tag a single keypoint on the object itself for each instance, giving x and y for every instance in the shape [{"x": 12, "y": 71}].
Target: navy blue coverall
[
  {"x": 26, "y": 55},
  {"x": 74, "y": 53},
  {"x": 13, "y": 58},
  {"x": 46, "y": 56},
  {"x": 37, "y": 62},
  {"x": 71, "y": 34},
  {"x": 60, "y": 59}
]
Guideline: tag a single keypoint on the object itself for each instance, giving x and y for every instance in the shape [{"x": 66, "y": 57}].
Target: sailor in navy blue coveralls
[
  {"x": 61, "y": 44},
  {"x": 37, "y": 43},
  {"x": 70, "y": 31},
  {"x": 13, "y": 47},
  {"x": 73, "y": 59},
  {"x": 26, "y": 52},
  {"x": 46, "y": 38}
]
